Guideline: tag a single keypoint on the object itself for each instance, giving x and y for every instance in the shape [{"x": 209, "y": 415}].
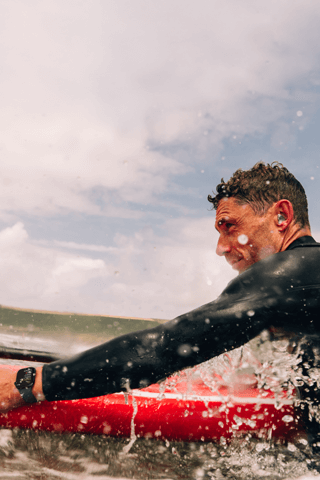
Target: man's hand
[{"x": 9, "y": 395}]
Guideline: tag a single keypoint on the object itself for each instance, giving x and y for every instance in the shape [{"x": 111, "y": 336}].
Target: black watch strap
[{"x": 24, "y": 382}]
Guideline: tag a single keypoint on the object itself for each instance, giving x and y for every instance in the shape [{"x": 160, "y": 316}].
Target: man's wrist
[
  {"x": 24, "y": 383},
  {"x": 37, "y": 387}
]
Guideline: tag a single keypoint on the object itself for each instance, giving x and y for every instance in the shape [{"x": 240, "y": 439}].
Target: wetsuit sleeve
[{"x": 279, "y": 291}]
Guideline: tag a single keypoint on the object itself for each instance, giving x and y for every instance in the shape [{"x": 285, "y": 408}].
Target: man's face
[{"x": 245, "y": 237}]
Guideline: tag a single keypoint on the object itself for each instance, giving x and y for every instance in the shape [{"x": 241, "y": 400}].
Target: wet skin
[{"x": 246, "y": 237}]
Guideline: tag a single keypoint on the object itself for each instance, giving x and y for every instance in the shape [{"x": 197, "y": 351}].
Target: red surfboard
[{"x": 183, "y": 408}]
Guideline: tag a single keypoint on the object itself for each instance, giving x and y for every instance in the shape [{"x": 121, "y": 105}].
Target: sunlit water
[{"x": 48, "y": 456}]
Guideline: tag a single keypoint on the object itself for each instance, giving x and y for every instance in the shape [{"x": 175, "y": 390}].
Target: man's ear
[{"x": 284, "y": 214}]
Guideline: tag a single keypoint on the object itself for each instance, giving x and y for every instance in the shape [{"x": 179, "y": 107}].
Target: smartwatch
[{"x": 24, "y": 382}]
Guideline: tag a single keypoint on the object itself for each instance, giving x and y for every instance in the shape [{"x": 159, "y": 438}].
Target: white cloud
[
  {"x": 85, "y": 89},
  {"x": 80, "y": 246},
  {"x": 144, "y": 275},
  {"x": 170, "y": 275},
  {"x": 61, "y": 171},
  {"x": 147, "y": 275},
  {"x": 33, "y": 276}
]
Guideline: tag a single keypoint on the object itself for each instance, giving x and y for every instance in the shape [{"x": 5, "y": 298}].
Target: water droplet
[
  {"x": 260, "y": 447},
  {"x": 288, "y": 418},
  {"x": 299, "y": 113},
  {"x": 106, "y": 428},
  {"x": 184, "y": 350},
  {"x": 199, "y": 473},
  {"x": 303, "y": 441},
  {"x": 291, "y": 447},
  {"x": 243, "y": 239}
]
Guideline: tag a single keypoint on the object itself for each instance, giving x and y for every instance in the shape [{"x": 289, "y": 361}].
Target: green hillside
[{"x": 20, "y": 321}]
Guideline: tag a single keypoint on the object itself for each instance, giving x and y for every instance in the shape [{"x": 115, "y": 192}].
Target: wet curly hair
[{"x": 263, "y": 185}]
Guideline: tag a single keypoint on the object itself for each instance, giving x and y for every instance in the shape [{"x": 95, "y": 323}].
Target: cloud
[
  {"x": 31, "y": 275},
  {"x": 74, "y": 167},
  {"x": 96, "y": 99},
  {"x": 166, "y": 276},
  {"x": 144, "y": 275},
  {"x": 78, "y": 246}
]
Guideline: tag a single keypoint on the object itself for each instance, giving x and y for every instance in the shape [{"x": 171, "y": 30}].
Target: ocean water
[
  {"x": 50, "y": 456},
  {"x": 38, "y": 455}
]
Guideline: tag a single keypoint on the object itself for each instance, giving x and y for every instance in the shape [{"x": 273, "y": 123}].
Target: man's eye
[{"x": 229, "y": 225}]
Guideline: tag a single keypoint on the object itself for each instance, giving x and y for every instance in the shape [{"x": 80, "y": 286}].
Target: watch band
[{"x": 24, "y": 382}]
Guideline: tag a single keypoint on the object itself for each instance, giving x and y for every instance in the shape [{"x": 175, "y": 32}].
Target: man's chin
[
  {"x": 239, "y": 265},
  {"x": 235, "y": 264}
]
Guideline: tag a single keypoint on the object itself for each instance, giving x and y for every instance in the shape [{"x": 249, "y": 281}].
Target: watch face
[{"x": 25, "y": 377}]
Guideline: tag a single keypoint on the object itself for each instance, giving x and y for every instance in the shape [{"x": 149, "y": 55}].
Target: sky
[{"x": 118, "y": 118}]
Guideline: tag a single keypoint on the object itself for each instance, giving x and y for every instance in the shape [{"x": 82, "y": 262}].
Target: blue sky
[{"x": 118, "y": 118}]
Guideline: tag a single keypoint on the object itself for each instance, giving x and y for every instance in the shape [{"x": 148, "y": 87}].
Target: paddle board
[{"x": 183, "y": 408}]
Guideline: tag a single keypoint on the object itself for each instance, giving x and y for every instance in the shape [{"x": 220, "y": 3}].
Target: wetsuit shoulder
[{"x": 295, "y": 267}]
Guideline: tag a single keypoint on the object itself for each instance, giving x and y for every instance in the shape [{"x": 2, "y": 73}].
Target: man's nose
[{"x": 223, "y": 246}]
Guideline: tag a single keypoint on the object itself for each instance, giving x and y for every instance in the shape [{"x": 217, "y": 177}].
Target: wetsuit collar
[{"x": 301, "y": 242}]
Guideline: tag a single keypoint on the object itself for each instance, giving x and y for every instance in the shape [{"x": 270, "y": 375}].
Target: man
[{"x": 264, "y": 233}]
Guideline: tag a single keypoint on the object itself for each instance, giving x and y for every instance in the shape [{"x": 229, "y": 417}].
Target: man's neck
[
  {"x": 302, "y": 242},
  {"x": 292, "y": 236}
]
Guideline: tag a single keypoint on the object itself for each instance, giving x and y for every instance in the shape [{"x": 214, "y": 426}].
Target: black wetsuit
[{"x": 282, "y": 290}]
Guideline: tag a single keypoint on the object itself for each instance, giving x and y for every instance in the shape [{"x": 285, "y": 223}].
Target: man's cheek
[{"x": 266, "y": 251}]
